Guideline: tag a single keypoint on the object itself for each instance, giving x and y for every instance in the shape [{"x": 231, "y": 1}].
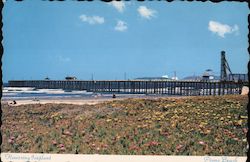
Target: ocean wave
[
  {"x": 43, "y": 91},
  {"x": 12, "y": 93},
  {"x": 6, "y": 89}
]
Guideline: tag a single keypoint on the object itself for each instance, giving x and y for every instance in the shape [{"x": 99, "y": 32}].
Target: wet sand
[
  {"x": 95, "y": 99},
  {"x": 58, "y": 101},
  {"x": 83, "y": 101}
]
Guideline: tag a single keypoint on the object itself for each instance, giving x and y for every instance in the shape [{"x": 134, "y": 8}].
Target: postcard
[{"x": 124, "y": 81}]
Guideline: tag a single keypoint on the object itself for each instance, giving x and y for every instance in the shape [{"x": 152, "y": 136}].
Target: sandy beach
[
  {"x": 84, "y": 101},
  {"x": 21, "y": 96},
  {"x": 58, "y": 101}
]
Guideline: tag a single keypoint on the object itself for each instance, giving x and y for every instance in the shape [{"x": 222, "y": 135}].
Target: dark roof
[{"x": 70, "y": 77}]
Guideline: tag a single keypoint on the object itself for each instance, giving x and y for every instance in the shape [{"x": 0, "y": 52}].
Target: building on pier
[
  {"x": 208, "y": 75},
  {"x": 70, "y": 78}
]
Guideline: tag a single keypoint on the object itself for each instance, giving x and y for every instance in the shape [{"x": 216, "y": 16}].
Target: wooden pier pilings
[{"x": 183, "y": 88}]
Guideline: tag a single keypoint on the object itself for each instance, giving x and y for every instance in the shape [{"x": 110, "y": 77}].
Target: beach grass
[{"x": 213, "y": 125}]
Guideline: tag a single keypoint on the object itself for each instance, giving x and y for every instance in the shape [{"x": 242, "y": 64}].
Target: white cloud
[
  {"x": 222, "y": 29},
  {"x": 63, "y": 59},
  {"x": 92, "y": 19},
  {"x": 119, "y": 5},
  {"x": 121, "y": 26},
  {"x": 146, "y": 12}
]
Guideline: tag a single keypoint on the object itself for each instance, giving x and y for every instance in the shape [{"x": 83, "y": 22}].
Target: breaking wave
[{"x": 29, "y": 92}]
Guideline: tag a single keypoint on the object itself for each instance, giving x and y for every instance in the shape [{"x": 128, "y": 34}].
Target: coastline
[
  {"x": 57, "y": 101},
  {"x": 15, "y": 96},
  {"x": 93, "y": 100},
  {"x": 89, "y": 100}
]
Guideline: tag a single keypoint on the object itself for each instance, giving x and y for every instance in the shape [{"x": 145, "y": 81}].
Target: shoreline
[
  {"x": 57, "y": 101},
  {"x": 88, "y": 100},
  {"x": 83, "y": 101}
]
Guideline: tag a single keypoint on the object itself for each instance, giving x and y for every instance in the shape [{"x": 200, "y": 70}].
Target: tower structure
[{"x": 224, "y": 67}]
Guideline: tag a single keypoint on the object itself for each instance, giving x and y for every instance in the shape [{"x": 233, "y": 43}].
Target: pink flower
[
  {"x": 10, "y": 141},
  {"x": 61, "y": 145},
  {"x": 152, "y": 143},
  {"x": 54, "y": 142},
  {"x": 245, "y": 130},
  {"x": 236, "y": 139},
  {"x": 62, "y": 148},
  {"x": 105, "y": 146},
  {"x": 164, "y": 133},
  {"x": 68, "y": 133},
  {"x": 134, "y": 147},
  {"x": 201, "y": 142},
  {"x": 178, "y": 147}
]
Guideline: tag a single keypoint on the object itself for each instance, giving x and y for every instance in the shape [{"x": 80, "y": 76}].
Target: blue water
[
  {"x": 24, "y": 93},
  {"x": 10, "y": 93}
]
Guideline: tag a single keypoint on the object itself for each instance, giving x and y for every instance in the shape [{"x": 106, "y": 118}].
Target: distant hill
[
  {"x": 153, "y": 78},
  {"x": 192, "y": 78}
]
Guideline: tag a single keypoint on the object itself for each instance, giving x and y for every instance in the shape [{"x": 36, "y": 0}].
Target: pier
[{"x": 172, "y": 87}]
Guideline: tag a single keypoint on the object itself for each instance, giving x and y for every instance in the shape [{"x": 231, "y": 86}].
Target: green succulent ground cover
[{"x": 166, "y": 126}]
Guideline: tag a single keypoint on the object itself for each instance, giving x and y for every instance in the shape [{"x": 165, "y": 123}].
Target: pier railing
[{"x": 183, "y": 88}]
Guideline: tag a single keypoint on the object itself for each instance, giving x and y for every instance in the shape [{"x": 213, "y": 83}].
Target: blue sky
[{"x": 57, "y": 39}]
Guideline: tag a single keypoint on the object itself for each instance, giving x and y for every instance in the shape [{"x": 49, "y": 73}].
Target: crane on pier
[
  {"x": 224, "y": 67},
  {"x": 226, "y": 73}
]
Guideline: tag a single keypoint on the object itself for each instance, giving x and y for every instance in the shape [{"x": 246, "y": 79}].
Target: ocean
[
  {"x": 29, "y": 93},
  {"x": 12, "y": 93}
]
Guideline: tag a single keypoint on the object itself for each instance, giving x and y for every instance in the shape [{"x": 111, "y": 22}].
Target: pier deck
[{"x": 183, "y": 88}]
